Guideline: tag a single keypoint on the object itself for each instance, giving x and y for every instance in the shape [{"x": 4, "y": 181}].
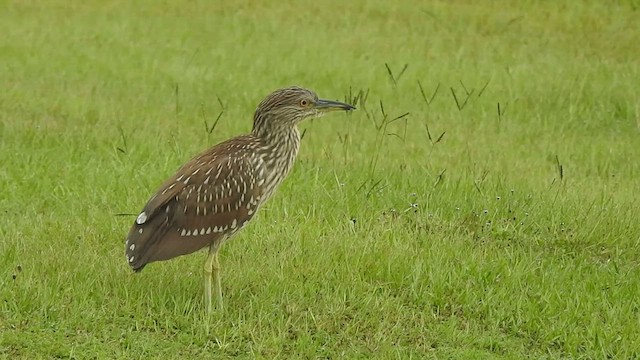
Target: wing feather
[{"x": 209, "y": 199}]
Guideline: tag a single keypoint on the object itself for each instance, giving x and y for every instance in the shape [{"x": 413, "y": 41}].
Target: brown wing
[{"x": 210, "y": 198}]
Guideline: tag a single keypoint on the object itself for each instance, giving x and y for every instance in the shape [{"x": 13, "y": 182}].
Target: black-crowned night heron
[{"x": 215, "y": 194}]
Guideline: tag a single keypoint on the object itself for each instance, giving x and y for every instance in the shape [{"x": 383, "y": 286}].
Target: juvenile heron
[{"x": 216, "y": 193}]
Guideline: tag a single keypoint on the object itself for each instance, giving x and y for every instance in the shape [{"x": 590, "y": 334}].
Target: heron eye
[{"x": 304, "y": 102}]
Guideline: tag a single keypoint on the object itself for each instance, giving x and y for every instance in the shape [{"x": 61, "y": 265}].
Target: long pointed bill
[{"x": 330, "y": 105}]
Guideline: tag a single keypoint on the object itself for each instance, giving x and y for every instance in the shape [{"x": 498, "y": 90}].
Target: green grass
[{"x": 458, "y": 231}]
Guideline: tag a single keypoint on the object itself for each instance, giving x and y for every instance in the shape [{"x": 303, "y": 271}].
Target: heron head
[{"x": 289, "y": 106}]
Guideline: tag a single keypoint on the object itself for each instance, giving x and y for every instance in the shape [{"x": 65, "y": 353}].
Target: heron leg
[
  {"x": 212, "y": 273},
  {"x": 217, "y": 281}
]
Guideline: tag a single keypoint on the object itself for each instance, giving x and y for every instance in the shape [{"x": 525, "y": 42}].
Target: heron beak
[{"x": 329, "y": 105}]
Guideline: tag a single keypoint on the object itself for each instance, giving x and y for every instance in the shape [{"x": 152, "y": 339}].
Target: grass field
[{"x": 481, "y": 203}]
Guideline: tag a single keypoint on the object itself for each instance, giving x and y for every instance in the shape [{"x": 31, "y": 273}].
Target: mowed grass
[{"x": 482, "y": 202}]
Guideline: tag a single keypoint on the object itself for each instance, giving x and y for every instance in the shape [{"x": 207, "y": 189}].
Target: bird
[{"x": 216, "y": 193}]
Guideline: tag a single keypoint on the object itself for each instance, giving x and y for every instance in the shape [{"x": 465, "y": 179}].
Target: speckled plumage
[
  {"x": 218, "y": 192},
  {"x": 208, "y": 199}
]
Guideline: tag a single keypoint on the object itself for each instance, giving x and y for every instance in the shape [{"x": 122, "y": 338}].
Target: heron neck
[{"x": 281, "y": 144}]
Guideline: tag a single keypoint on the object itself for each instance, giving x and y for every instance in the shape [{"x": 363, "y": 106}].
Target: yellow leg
[
  {"x": 212, "y": 273},
  {"x": 217, "y": 281}
]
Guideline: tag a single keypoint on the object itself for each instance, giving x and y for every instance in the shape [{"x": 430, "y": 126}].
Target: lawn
[{"x": 481, "y": 203}]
